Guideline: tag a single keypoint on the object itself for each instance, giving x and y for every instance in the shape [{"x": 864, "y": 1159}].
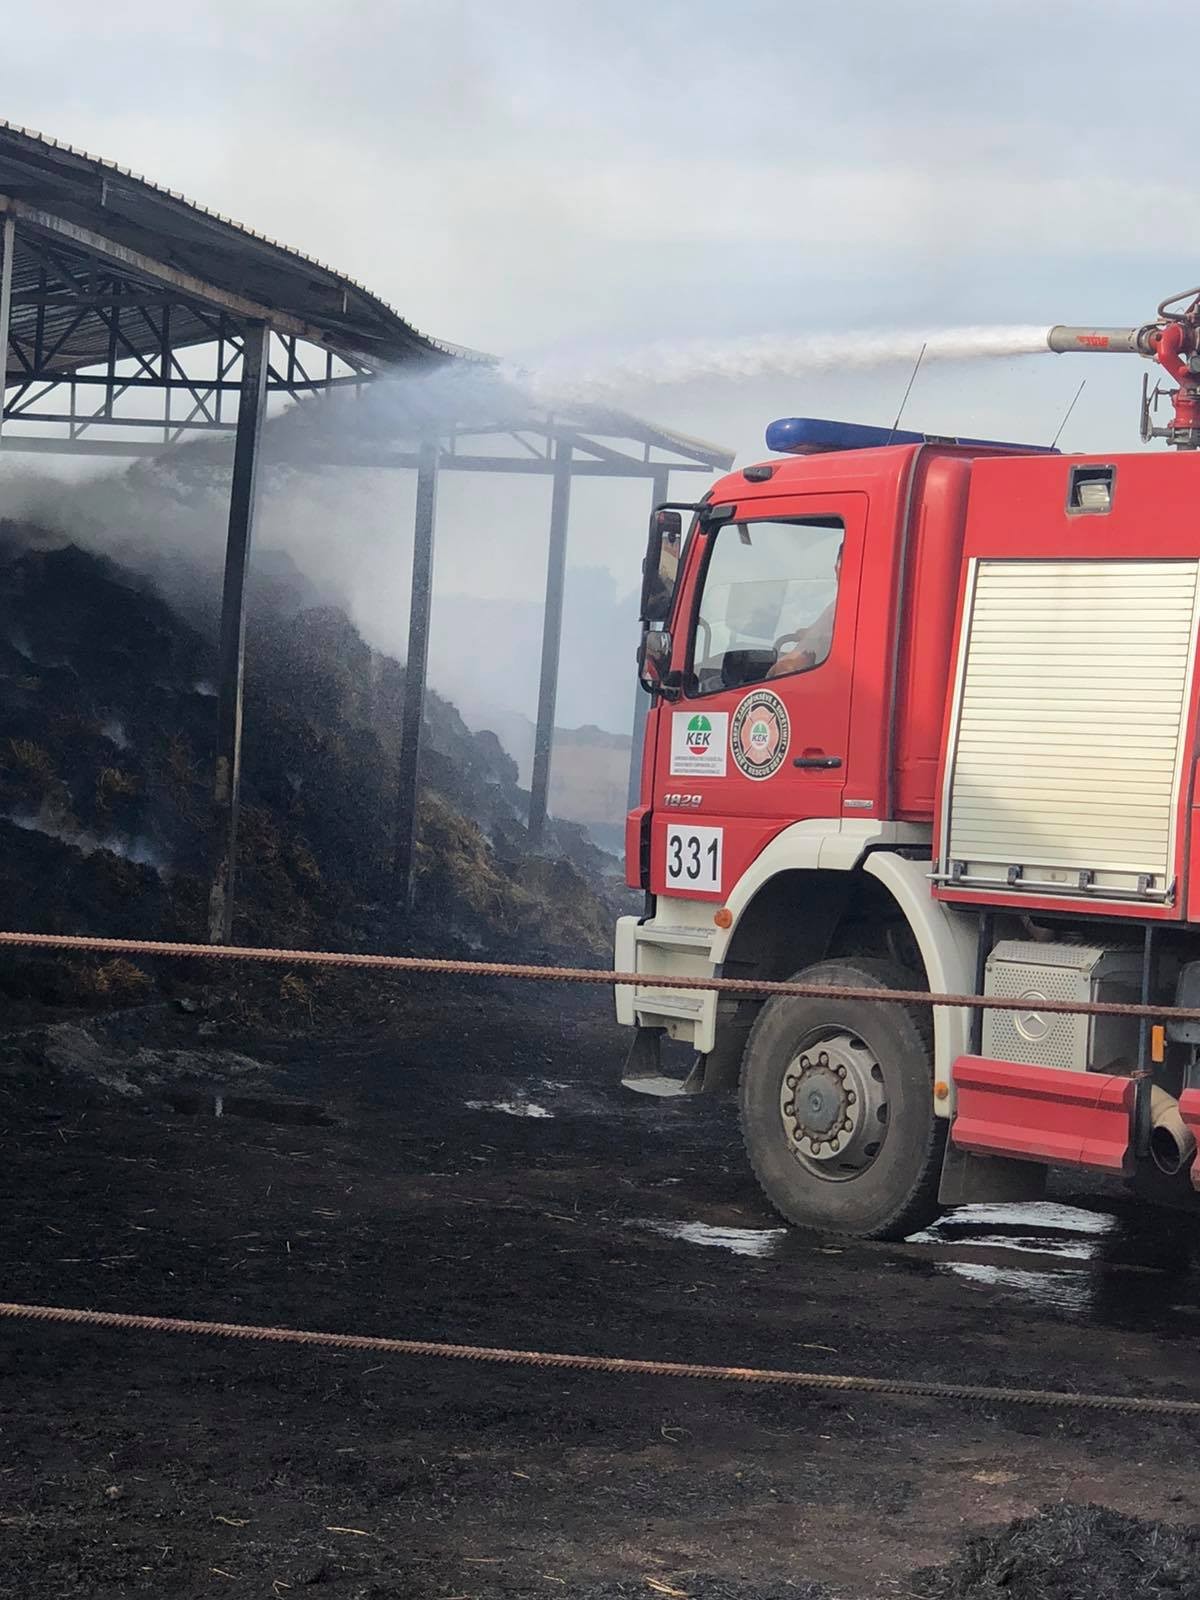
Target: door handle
[{"x": 824, "y": 762}]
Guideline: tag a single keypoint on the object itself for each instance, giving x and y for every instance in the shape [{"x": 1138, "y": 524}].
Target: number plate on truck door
[{"x": 694, "y": 858}]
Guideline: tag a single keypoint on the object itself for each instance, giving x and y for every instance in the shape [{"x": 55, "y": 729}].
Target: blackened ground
[{"x": 484, "y": 1179}]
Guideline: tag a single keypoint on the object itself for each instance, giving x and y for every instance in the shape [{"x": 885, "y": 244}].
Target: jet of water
[{"x": 765, "y": 356}]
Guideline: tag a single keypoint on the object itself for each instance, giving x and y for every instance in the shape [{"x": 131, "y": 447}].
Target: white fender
[
  {"x": 823, "y": 843},
  {"x": 945, "y": 937}
]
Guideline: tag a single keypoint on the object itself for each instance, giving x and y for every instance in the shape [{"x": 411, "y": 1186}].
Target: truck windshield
[{"x": 767, "y": 603}]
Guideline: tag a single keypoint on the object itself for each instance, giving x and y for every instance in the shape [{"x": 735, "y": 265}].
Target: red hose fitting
[
  {"x": 1186, "y": 402},
  {"x": 1173, "y": 343}
]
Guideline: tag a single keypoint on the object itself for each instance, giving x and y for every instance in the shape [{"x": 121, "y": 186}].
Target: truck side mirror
[
  {"x": 661, "y": 566},
  {"x": 654, "y": 658}
]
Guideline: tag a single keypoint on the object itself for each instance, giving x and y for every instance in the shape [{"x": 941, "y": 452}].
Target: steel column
[
  {"x": 412, "y": 717},
  {"x": 227, "y": 777},
  {"x": 660, "y": 491},
  {"x": 556, "y": 566},
  {"x": 7, "y": 250}
]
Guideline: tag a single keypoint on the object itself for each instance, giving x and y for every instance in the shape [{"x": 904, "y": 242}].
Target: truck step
[
  {"x": 670, "y": 937},
  {"x": 662, "y": 1003},
  {"x": 664, "y": 1088},
  {"x": 643, "y": 1068}
]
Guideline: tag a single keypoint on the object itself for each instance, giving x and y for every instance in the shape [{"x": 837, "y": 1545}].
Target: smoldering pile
[
  {"x": 1063, "y": 1552},
  {"x": 106, "y": 734},
  {"x": 1071, "y": 1552}
]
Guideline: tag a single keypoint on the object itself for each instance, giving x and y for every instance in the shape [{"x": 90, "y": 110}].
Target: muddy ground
[{"x": 481, "y": 1177}]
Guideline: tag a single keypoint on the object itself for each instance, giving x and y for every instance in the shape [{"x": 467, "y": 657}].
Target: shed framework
[{"x": 132, "y": 320}]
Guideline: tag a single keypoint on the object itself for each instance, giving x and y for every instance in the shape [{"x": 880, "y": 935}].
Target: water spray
[
  {"x": 610, "y": 378},
  {"x": 1172, "y": 341}
]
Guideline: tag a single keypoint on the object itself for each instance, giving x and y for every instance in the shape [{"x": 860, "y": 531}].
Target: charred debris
[
  {"x": 106, "y": 739},
  {"x": 1070, "y": 1552}
]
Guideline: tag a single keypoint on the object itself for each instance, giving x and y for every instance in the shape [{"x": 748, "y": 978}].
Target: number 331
[{"x": 694, "y": 857}]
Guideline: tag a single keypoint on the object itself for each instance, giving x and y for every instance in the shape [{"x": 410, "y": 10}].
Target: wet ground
[{"x": 479, "y": 1176}]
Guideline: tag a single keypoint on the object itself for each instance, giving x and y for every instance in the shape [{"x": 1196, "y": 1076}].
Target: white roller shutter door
[{"x": 1070, "y": 700}]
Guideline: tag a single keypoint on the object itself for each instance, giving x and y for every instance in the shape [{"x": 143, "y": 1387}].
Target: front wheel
[{"x": 837, "y": 1106}]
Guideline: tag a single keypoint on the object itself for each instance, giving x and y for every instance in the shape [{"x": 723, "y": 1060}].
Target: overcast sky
[
  {"x": 530, "y": 178},
  {"x": 515, "y": 173}
]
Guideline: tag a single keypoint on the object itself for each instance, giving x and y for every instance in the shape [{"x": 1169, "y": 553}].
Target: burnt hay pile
[
  {"x": 107, "y": 721},
  {"x": 1070, "y": 1552}
]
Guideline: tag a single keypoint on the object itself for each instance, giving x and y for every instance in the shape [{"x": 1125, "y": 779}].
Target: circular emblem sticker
[{"x": 759, "y": 734}]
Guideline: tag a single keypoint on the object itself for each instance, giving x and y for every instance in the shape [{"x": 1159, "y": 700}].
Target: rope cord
[
  {"x": 842, "y": 1383},
  {"x": 749, "y": 988}
]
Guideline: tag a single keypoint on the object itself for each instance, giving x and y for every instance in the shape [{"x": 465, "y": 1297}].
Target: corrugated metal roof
[{"x": 189, "y": 239}]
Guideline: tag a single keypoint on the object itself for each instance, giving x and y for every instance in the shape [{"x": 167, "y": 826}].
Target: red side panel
[
  {"x": 1189, "y": 1110},
  {"x": 637, "y": 864},
  {"x": 927, "y": 636},
  {"x": 1076, "y": 1119},
  {"x": 1192, "y": 911},
  {"x": 636, "y": 855}
]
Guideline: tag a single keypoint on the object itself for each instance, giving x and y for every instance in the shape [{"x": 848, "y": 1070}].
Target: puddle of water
[
  {"x": 742, "y": 1241},
  {"x": 1091, "y": 1256},
  {"x": 510, "y": 1108},
  {"x": 1028, "y": 1244},
  {"x": 1034, "y": 1214},
  {"x": 1037, "y": 1215},
  {"x": 1063, "y": 1291},
  {"x": 1040, "y": 1228}
]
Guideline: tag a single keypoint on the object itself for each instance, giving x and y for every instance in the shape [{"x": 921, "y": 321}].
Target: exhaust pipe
[{"x": 1172, "y": 1142}]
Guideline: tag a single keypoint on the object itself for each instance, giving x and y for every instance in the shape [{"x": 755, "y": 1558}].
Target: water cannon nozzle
[{"x": 1065, "y": 340}]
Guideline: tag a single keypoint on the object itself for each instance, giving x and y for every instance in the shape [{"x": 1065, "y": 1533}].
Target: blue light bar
[{"x": 806, "y": 436}]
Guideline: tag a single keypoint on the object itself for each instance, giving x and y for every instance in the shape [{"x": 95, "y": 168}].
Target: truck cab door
[{"x": 759, "y": 736}]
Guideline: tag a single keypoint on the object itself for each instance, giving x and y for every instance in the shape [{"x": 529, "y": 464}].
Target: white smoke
[
  {"x": 347, "y": 530},
  {"x": 138, "y": 850},
  {"x": 766, "y": 356}
]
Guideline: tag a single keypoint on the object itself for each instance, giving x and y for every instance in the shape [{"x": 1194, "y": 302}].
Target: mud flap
[
  {"x": 968, "y": 1179},
  {"x": 723, "y": 1065},
  {"x": 643, "y": 1068}
]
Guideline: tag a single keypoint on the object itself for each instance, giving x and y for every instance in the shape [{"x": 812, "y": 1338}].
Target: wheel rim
[{"x": 833, "y": 1103}]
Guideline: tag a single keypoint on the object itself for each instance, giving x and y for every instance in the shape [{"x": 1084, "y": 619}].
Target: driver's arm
[
  {"x": 797, "y": 659},
  {"x": 809, "y": 646}
]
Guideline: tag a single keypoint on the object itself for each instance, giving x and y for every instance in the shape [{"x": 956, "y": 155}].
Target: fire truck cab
[{"x": 923, "y": 717}]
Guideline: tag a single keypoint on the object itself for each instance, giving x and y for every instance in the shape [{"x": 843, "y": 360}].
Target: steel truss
[{"x": 149, "y": 378}]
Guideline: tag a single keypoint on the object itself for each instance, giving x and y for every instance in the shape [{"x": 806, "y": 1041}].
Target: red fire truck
[{"x": 924, "y": 716}]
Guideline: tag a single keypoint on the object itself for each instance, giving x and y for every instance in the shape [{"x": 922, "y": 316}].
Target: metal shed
[{"x": 133, "y": 319}]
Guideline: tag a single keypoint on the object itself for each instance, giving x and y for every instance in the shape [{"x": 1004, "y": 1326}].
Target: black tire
[{"x": 896, "y": 1192}]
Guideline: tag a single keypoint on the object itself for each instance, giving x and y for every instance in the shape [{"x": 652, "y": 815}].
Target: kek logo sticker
[
  {"x": 699, "y": 735},
  {"x": 698, "y": 744}
]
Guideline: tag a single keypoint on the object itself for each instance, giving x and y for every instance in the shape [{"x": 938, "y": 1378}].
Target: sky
[{"x": 576, "y": 179}]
